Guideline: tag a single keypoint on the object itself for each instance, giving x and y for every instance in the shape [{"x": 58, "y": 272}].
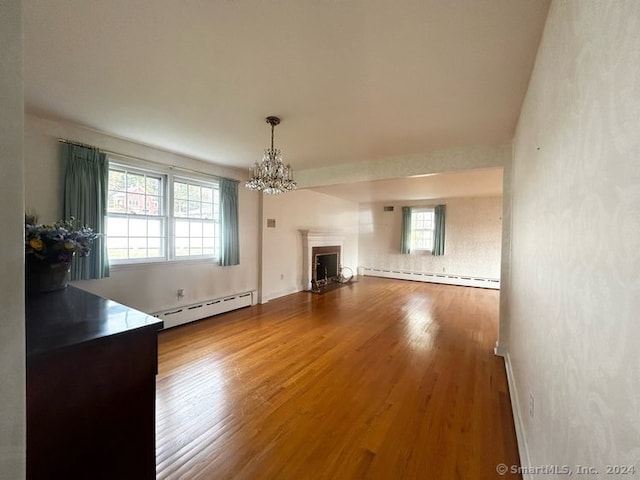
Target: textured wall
[
  {"x": 12, "y": 347},
  {"x": 575, "y": 272},
  {"x": 437, "y": 161},
  {"x": 472, "y": 239}
]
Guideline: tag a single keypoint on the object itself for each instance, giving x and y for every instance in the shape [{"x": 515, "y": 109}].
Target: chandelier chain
[{"x": 272, "y": 127}]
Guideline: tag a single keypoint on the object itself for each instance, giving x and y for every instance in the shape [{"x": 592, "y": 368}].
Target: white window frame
[
  {"x": 128, "y": 168},
  {"x": 215, "y": 220},
  {"x": 419, "y": 210},
  {"x": 169, "y": 177}
]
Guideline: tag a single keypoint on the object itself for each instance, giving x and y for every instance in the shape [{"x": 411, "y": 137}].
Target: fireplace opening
[{"x": 327, "y": 266}]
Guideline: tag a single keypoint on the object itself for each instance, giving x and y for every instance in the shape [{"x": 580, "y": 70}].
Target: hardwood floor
[{"x": 383, "y": 379}]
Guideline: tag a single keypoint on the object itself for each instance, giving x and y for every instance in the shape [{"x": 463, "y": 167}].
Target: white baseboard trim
[
  {"x": 283, "y": 293},
  {"x": 499, "y": 351},
  {"x": 208, "y": 308},
  {"x": 446, "y": 278},
  {"x": 523, "y": 447}
]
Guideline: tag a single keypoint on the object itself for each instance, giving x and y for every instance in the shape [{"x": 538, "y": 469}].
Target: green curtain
[
  {"x": 86, "y": 181},
  {"x": 438, "y": 229},
  {"x": 230, "y": 240},
  {"x": 405, "y": 234}
]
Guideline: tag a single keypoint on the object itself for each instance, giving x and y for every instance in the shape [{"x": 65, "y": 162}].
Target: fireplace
[
  {"x": 324, "y": 248},
  {"x": 326, "y": 263}
]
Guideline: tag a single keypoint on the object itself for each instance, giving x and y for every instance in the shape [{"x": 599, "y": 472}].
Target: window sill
[{"x": 114, "y": 267}]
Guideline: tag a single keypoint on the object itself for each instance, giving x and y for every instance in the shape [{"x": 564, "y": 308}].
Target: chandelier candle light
[{"x": 271, "y": 176}]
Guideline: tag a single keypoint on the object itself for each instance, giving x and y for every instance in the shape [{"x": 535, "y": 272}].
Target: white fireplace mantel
[{"x": 316, "y": 238}]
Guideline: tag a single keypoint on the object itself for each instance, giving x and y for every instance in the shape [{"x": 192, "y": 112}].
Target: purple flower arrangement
[{"x": 57, "y": 243}]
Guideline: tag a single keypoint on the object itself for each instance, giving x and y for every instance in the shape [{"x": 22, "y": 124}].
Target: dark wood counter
[{"x": 91, "y": 366}]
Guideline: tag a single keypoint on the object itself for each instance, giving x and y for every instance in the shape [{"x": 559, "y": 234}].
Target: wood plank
[{"x": 379, "y": 379}]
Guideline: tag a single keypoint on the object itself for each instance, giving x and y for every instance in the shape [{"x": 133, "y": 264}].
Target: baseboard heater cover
[
  {"x": 461, "y": 280},
  {"x": 189, "y": 313}
]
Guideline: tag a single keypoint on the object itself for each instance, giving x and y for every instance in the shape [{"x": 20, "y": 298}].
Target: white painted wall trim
[
  {"x": 446, "y": 278},
  {"x": 279, "y": 294},
  {"x": 523, "y": 447},
  {"x": 499, "y": 350}
]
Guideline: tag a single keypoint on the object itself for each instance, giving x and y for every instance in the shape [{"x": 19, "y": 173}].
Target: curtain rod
[
  {"x": 78, "y": 144},
  {"x": 172, "y": 167}
]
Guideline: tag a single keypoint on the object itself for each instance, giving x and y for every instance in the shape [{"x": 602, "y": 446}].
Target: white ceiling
[{"x": 352, "y": 79}]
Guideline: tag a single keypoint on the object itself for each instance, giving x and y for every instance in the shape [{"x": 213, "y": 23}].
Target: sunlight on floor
[
  {"x": 207, "y": 382},
  {"x": 419, "y": 324}
]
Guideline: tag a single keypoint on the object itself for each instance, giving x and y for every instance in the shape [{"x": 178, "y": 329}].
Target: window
[
  {"x": 422, "y": 229},
  {"x": 135, "y": 215},
  {"x": 152, "y": 216},
  {"x": 196, "y": 210}
]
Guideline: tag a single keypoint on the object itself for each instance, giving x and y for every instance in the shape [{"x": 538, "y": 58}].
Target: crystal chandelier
[{"x": 271, "y": 176}]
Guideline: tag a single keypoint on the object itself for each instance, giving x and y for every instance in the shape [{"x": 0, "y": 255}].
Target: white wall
[
  {"x": 575, "y": 281},
  {"x": 472, "y": 238},
  {"x": 282, "y": 261},
  {"x": 149, "y": 288},
  {"x": 12, "y": 338}
]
